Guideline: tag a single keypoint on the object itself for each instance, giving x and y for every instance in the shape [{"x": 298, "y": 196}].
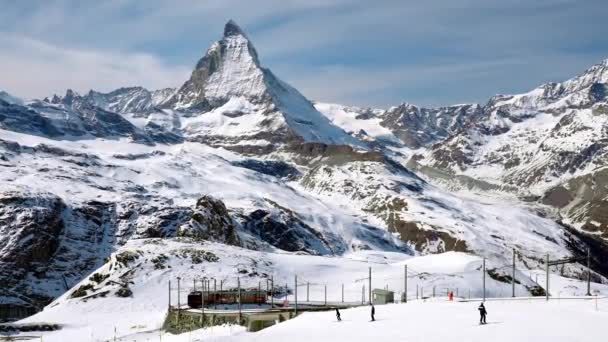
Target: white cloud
[{"x": 34, "y": 69}]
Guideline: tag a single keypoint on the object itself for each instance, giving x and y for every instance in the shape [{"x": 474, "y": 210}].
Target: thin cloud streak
[{"x": 37, "y": 69}]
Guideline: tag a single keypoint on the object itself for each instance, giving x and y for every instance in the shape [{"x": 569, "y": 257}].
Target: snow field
[
  {"x": 538, "y": 321},
  {"x": 140, "y": 316}
]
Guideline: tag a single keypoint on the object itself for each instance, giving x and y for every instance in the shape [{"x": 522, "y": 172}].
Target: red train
[{"x": 226, "y": 297}]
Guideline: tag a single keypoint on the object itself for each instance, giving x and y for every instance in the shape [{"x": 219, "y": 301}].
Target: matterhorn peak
[{"x": 232, "y": 29}]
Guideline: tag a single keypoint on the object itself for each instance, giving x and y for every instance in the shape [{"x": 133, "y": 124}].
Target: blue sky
[{"x": 360, "y": 52}]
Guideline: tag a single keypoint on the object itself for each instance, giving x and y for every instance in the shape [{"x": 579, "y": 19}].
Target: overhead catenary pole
[
  {"x": 484, "y": 279},
  {"x": 342, "y": 292},
  {"x": 178, "y": 300},
  {"x": 588, "y": 272},
  {"x": 239, "y": 297},
  {"x": 325, "y": 297},
  {"x": 547, "y": 279},
  {"x": 513, "y": 276},
  {"x": 272, "y": 291},
  {"x": 203, "y": 303},
  {"x": 296, "y": 293},
  {"x": 370, "y": 287},
  {"x": 214, "y": 293},
  {"x": 405, "y": 285}
]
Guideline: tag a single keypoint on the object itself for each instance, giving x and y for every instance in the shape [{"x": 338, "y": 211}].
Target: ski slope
[
  {"x": 442, "y": 321},
  {"x": 101, "y": 315}
]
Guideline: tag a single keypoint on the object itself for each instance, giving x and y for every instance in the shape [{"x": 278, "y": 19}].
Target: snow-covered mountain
[
  {"x": 247, "y": 105},
  {"x": 239, "y": 158},
  {"x": 550, "y": 143}
]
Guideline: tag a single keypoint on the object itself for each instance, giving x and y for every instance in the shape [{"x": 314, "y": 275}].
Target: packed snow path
[{"x": 527, "y": 320}]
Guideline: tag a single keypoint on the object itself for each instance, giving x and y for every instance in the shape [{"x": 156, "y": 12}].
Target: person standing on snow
[
  {"x": 373, "y": 313},
  {"x": 338, "y": 315},
  {"x": 482, "y": 314}
]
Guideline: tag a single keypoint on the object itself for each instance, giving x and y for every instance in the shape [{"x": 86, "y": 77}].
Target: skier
[
  {"x": 373, "y": 313},
  {"x": 338, "y": 315},
  {"x": 482, "y": 314}
]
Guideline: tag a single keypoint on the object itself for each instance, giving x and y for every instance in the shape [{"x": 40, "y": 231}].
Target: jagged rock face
[
  {"x": 581, "y": 202},
  {"x": 283, "y": 229},
  {"x": 68, "y": 116},
  {"x": 30, "y": 229},
  {"x": 274, "y": 168},
  {"x": 211, "y": 221},
  {"x": 421, "y": 127},
  {"x": 534, "y": 138},
  {"x": 136, "y": 100},
  {"x": 49, "y": 246},
  {"x": 230, "y": 68},
  {"x": 17, "y": 118}
]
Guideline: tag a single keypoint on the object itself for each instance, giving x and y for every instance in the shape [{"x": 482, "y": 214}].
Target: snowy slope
[
  {"x": 442, "y": 321},
  {"x": 363, "y": 123},
  {"x": 140, "y": 267}
]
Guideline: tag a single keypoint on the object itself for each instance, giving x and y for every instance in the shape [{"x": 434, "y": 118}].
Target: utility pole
[
  {"x": 325, "y": 294},
  {"x": 272, "y": 291},
  {"x": 405, "y": 284},
  {"x": 239, "y": 297},
  {"x": 296, "y": 293},
  {"x": 513, "y": 276},
  {"x": 342, "y": 292},
  {"x": 178, "y": 300},
  {"x": 169, "y": 294},
  {"x": 484, "y": 279},
  {"x": 547, "y": 280},
  {"x": 370, "y": 286},
  {"x": 588, "y": 272},
  {"x": 259, "y": 293},
  {"x": 203, "y": 303},
  {"x": 416, "y": 291},
  {"x": 214, "y": 293}
]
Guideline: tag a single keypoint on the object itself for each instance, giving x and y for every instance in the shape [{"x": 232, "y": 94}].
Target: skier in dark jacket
[
  {"x": 338, "y": 315},
  {"x": 373, "y": 313},
  {"x": 482, "y": 313}
]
